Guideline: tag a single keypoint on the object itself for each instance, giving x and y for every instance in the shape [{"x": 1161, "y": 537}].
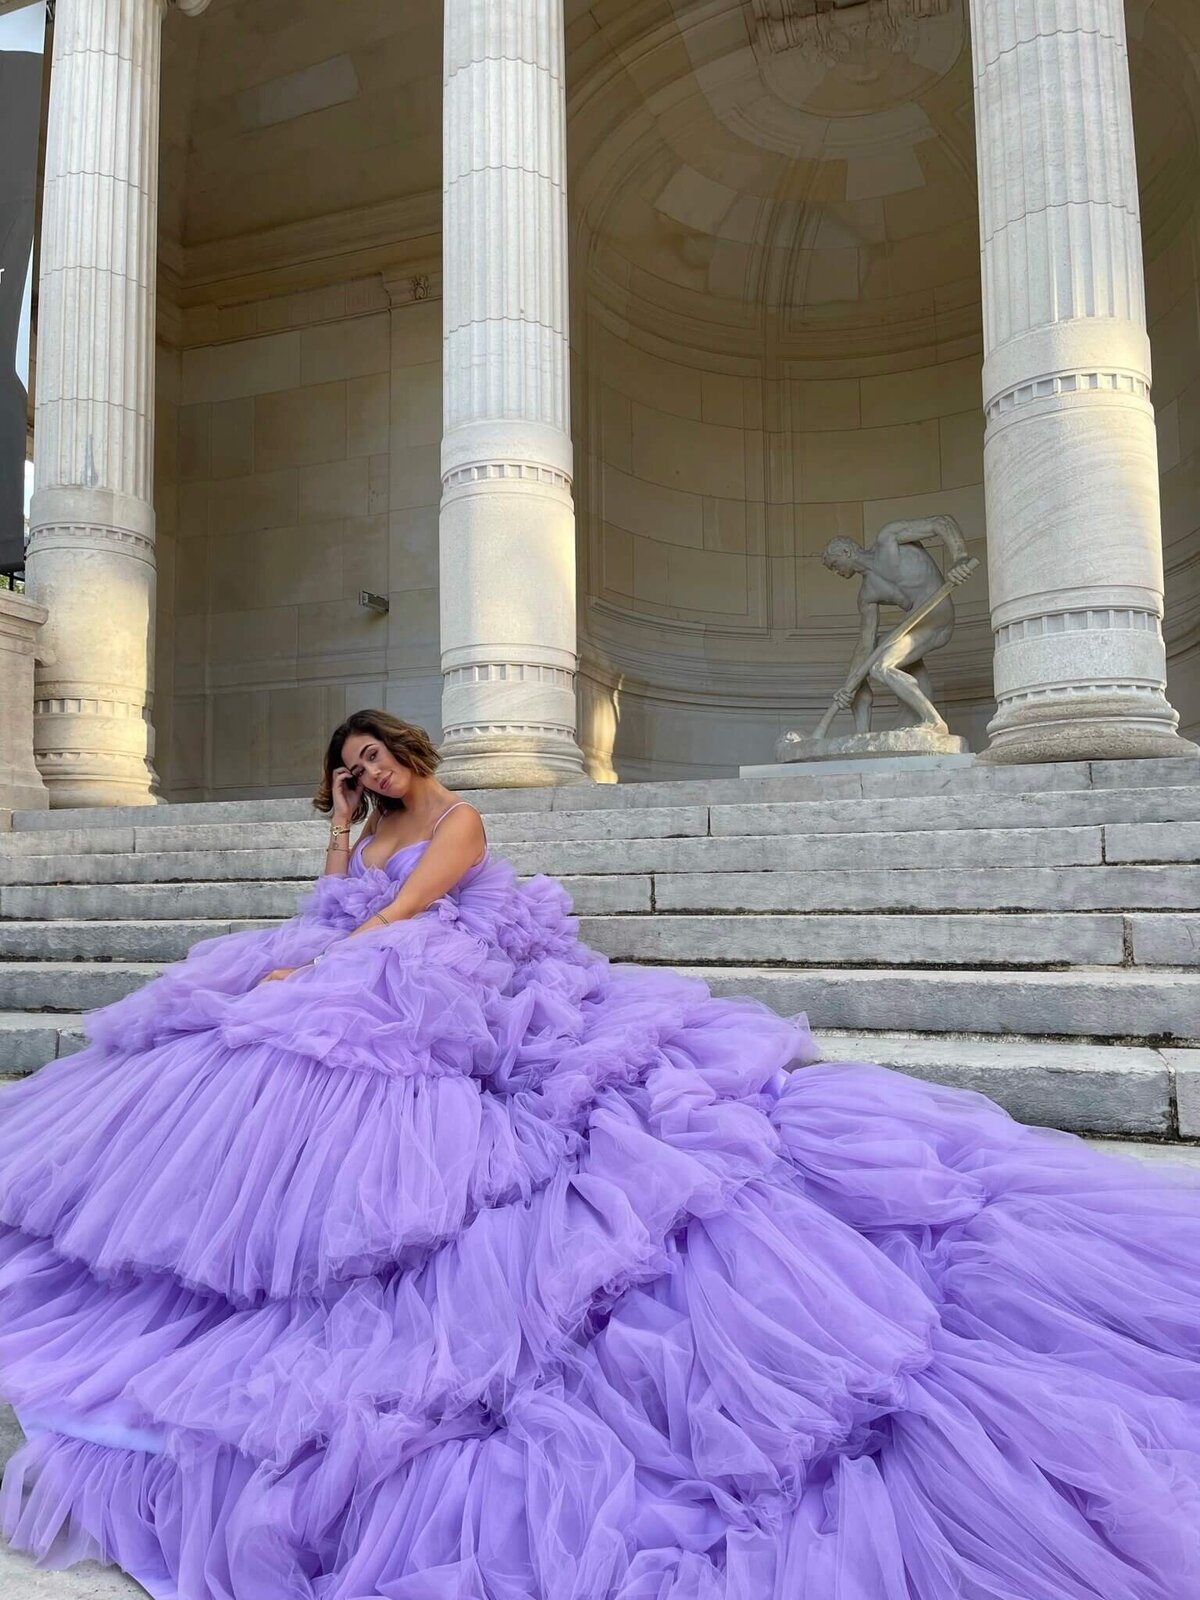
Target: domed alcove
[{"x": 778, "y": 341}]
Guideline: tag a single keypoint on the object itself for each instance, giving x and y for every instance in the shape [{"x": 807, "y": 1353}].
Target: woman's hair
[{"x": 410, "y": 745}]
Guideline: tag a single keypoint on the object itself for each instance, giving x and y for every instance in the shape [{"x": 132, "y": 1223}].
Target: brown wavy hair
[{"x": 410, "y": 745}]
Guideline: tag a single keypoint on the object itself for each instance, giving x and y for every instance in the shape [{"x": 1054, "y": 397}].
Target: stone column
[
  {"x": 507, "y": 536},
  {"x": 90, "y": 560},
  {"x": 1074, "y": 527},
  {"x": 21, "y": 787}
]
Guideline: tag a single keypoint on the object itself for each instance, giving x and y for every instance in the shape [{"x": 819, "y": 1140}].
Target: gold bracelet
[{"x": 335, "y": 833}]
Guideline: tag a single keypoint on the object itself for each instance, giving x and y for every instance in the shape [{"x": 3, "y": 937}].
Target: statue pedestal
[
  {"x": 832, "y": 769},
  {"x": 889, "y": 742}
]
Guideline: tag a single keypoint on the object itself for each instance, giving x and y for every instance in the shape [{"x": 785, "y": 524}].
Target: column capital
[{"x": 190, "y": 8}]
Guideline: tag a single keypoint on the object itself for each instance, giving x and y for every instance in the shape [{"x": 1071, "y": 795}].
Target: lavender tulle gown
[{"x": 466, "y": 1267}]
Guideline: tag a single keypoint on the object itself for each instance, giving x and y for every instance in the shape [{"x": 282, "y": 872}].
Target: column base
[
  {"x": 510, "y": 763},
  {"x": 1133, "y": 728},
  {"x": 96, "y": 784}
]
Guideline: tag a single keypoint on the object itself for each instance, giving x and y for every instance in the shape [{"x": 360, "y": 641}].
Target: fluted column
[
  {"x": 1071, "y": 469},
  {"x": 91, "y": 550},
  {"x": 507, "y": 519}
]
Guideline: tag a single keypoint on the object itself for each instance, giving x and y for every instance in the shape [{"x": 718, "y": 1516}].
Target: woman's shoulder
[
  {"x": 460, "y": 807},
  {"x": 464, "y": 822}
]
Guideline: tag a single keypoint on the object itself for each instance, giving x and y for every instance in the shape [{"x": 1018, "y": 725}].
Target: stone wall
[
  {"x": 705, "y": 501},
  {"x": 776, "y": 339},
  {"x": 1165, "y": 44},
  {"x": 307, "y": 471}
]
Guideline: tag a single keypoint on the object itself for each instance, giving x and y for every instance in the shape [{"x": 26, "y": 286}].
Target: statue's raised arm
[{"x": 916, "y": 530}]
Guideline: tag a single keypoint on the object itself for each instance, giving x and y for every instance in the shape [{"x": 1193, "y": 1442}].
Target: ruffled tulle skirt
[{"x": 466, "y": 1267}]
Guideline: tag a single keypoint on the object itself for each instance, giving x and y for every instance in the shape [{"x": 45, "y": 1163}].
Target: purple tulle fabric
[{"x": 464, "y": 1266}]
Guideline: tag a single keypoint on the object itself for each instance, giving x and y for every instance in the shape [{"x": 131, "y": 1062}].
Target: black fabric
[{"x": 20, "y": 118}]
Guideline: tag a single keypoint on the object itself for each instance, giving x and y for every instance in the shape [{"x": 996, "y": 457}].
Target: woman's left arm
[{"x": 453, "y": 850}]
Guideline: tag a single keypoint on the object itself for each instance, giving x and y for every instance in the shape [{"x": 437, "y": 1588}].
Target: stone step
[
  {"x": 883, "y": 889},
  {"x": 1154, "y": 841},
  {"x": 994, "y": 847},
  {"x": 109, "y": 902},
  {"x": 1080, "y": 1087},
  {"x": 949, "y": 813},
  {"x": 865, "y": 939},
  {"x": 28, "y": 1039},
  {"x": 157, "y": 941},
  {"x": 1092, "y": 1003},
  {"x": 69, "y": 986},
  {"x": 184, "y": 866},
  {"x": 642, "y": 822},
  {"x": 885, "y": 783},
  {"x": 1174, "y": 1160},
  {"x": 21, "y": 1580},
  {"x": 956, "y": 889},
  {"x": 869, "y": 940},
  {"x": 932, "y": 814},
  {"x": 217, "y": 901}
]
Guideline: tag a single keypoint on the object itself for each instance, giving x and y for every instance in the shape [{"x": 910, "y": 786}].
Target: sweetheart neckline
[
  {"x": 382, "y": 867},
  {"x": 411, "y": 845}
]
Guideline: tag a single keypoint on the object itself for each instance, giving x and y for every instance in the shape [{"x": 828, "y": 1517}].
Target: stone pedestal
[
  {"x": 886, "y": 744},
  {"x": 507, "y": 533},
  {"x": 91, "y": 550},
  {"x": 21, "y": 786},
  {"x": 1074, "y": 527}
]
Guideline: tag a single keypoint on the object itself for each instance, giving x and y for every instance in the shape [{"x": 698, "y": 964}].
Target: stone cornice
[{"x": 307, "y": 254}]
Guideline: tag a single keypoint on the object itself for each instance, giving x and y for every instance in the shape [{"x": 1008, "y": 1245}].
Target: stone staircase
[{"x": 1032, "y": 932}]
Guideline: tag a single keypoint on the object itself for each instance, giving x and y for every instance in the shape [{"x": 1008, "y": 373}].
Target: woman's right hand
[{"x": 346, "y": 794}]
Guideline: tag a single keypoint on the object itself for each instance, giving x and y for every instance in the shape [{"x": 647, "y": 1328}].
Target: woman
[{"x": 410, "y": 1251}]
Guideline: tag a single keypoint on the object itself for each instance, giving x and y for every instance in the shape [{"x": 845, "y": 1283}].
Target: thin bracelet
[{"x": 335, "y": 832}]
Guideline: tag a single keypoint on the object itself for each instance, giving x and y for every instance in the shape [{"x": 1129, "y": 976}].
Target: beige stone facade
[{"x": 771, "y": 305}]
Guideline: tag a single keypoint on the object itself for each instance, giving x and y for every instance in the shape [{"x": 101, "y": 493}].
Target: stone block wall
[
  {"x": 306, "y": 471},
  {"x": 705, "y": 500}
]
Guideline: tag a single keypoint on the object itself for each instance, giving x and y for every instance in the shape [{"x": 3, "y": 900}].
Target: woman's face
[{"x": 375, "y": 767}]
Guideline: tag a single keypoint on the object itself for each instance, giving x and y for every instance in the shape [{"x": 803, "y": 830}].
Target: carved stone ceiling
[
  {"x": 802, "y": 171},
  {"x": 798, "y": 170},
  {"x": 800, "y": 174}
]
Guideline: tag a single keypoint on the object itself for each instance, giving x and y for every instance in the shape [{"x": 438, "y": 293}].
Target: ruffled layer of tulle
[
  {"x": 257, "y": 1172},
  {"x": 861, "y": 1338},
  {"x": 466, "y": 1267},
  {"x": 487, "y": 981},
  {"x": 995, "y": 1479}
]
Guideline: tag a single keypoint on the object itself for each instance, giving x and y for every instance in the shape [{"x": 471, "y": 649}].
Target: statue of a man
[{"x": 898, "y": 571}]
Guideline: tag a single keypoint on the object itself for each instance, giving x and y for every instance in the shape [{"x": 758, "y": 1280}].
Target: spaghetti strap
[
  {"x": 443, "y": 817},
  {"x": 445, "y": 814}
]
